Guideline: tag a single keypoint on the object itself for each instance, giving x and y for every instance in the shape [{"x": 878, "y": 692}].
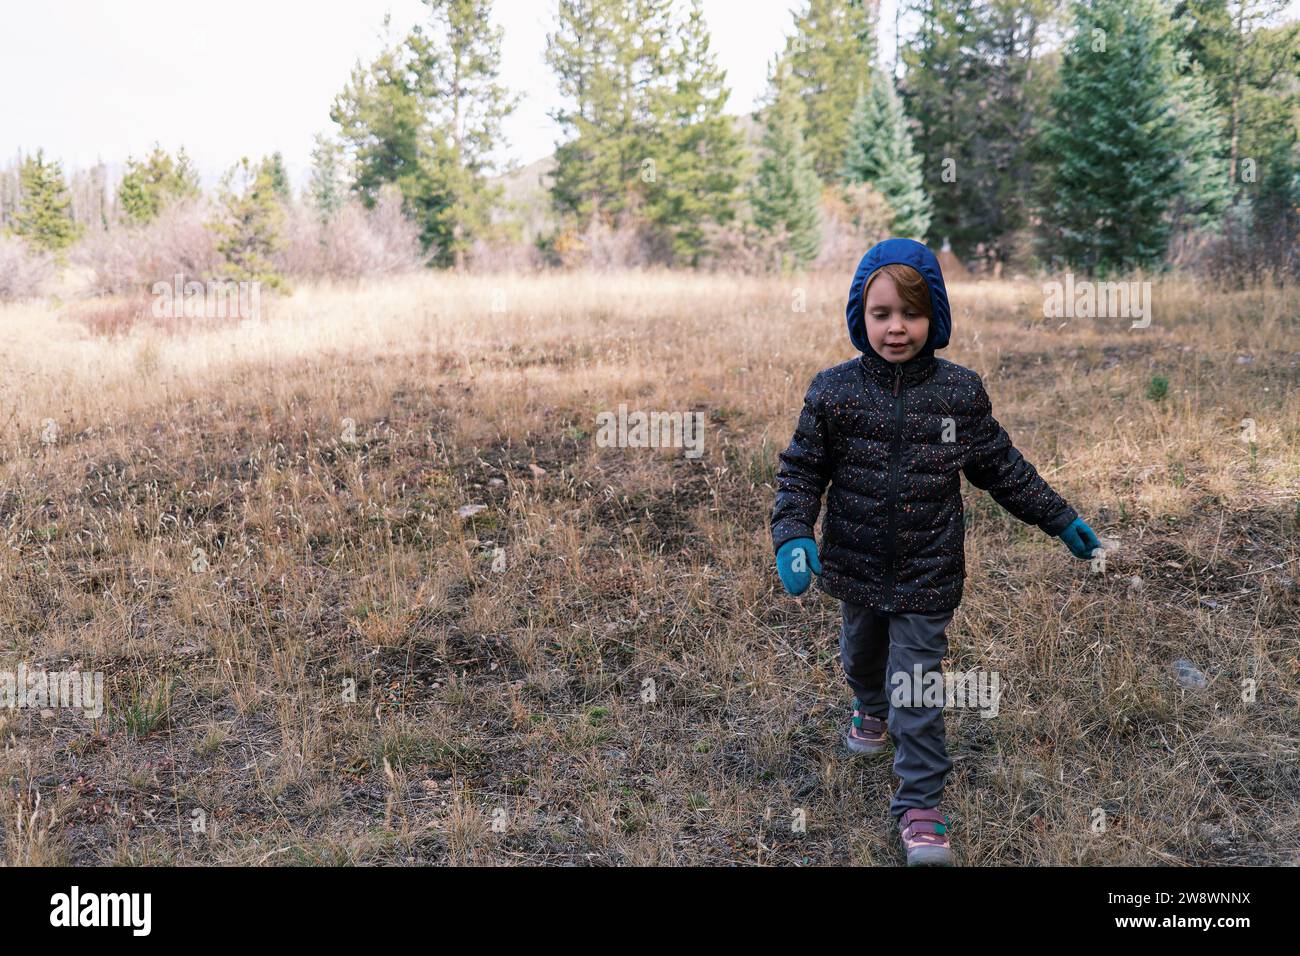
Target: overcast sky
[
  {"x": 104, "y": 79},
  {"x": 90, "y": 80}
]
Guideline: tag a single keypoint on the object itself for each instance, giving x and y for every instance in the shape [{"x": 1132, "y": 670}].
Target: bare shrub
[
  {"x": 602, "y": 246},
  {"x": 1244, "y": 251},
  {"x": 23, "y": 270},
  {"x": 356, "y": 242},
  {"x": 854, "y": 218},
  {"x": 111, "y": 316},
  {"x": 503, "y": 255},
  {"x": 740, "y": 246},
  {"x": 129, "y": 258}
]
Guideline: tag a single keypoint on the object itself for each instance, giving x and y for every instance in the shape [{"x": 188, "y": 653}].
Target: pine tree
[
  {"x": 44, "y": 217},
  {"x": 939, "y": 92},
  {"x": 248, "y": 228},
  {"x": 1112, "y": 141},
  {"x": 880, "y": 153},
  {"x": 381, "y": 116},
  {"x": 579, "y": 52},
  {"x": 829, "y": 59},
  {"x": 279, "y": 177},
  {"x": 785, "y": 193},
  {"x": 459, "y": 63},
  {"x": 1009, "y": 87},
  {"x": 1243, "y": 60},
  {"x": 150, "y": 184},
  {"x": 608, "y": 60},
  {"x": 1204, "y": 187},
  {"x": 325, "y": 189},
  {"x": 700, "y": 157},
  {"x": 1270, "y": 140},
  {"x": 976, "y": 85},
  {"x": 1251, "y": 61},
  {"x": 426, "y": 115}
]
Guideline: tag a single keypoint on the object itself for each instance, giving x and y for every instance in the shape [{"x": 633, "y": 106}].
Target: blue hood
[{"x": 906, "y": 252}]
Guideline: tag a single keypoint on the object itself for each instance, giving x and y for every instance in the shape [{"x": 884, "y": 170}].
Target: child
[{"x": 889, "y": 432}]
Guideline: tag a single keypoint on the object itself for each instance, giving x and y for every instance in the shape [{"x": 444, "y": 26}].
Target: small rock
[
  {"x": 469, "y": 511},
  {"x": 1189, "y": 675}
]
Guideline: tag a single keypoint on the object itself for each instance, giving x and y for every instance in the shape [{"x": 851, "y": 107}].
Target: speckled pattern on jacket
[{"x": 893, "y": 479}]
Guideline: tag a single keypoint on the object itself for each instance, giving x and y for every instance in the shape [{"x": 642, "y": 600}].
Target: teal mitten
[
  {"x": 794, "y": 560},
  {"x": 1080, "y": 539}
]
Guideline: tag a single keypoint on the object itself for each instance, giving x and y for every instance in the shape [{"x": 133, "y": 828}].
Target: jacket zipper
[{"x": 894, "y": 455}]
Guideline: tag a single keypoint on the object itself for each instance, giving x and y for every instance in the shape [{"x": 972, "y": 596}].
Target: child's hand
[
  {"x": 1080, "y": 539},
  {"x": 794, "y": 559}
]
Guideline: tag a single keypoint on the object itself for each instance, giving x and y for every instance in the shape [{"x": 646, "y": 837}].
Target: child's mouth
[{"x": 898, "y": 347}]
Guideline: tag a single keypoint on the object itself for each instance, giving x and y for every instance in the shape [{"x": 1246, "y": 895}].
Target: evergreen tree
[
  {"x": 701, "y": 154},
  {"x": 150, "y": 184},
  {"x": 1245, "y": 52},
  {"x": 785, "y": 193},
  {"x": 977, "y": 85},
  {"x": 1112, "y": 141},
  {"x": 880, "y": 153},
  {"x": 279, "y": 177},
  {"x": 1269, "y": 140},
  {"x": 44, "y": 216},
  {"x": 579, "y": 52},
  {"x": 459, "y": 62},
  {"x": 1251, "y": 61},
  {"x": 426, "y": 115},
  {"x": 462, "y": 66},
  {"x": 829, "y": 58},
  {"x": 326, "y": 188},
  {"x": 1204, "y": 186},
  {"x": 608, "y": 60},
  {"x": 939, "y": 91},
  {"x": 1009, "y": 86},
  {"x": 248, "y": 228},
  {"x": 381, "y": 116}
]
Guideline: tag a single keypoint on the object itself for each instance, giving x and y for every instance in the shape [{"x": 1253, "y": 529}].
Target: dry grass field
[{"x": 255, "y": 532}]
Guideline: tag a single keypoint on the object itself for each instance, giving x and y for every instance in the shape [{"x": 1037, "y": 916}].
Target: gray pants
[{"x": 876, "y": 649}]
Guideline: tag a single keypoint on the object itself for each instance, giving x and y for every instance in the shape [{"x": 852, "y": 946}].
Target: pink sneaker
[
  {"x": 925, "y": 838},
  {"x": 867, "y": 734}
]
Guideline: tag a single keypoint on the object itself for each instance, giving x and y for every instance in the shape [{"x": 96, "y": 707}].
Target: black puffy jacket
[{"x": 890, "y": 440}]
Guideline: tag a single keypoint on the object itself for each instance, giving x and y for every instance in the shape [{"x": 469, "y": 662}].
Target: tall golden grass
[{"x": 254, "y": 530}]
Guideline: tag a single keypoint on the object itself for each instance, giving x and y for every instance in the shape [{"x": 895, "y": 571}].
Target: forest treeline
[{"x": 1101, "y": 136}]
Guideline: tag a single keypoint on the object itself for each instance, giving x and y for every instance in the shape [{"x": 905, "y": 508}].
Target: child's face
[{"x": 894, "y": 329}]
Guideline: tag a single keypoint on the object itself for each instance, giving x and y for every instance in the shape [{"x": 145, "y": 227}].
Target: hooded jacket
[{"x": 889, "y": 439}]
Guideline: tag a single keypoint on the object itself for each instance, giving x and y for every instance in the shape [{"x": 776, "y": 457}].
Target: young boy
[{"x": 890, "y": 432}]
